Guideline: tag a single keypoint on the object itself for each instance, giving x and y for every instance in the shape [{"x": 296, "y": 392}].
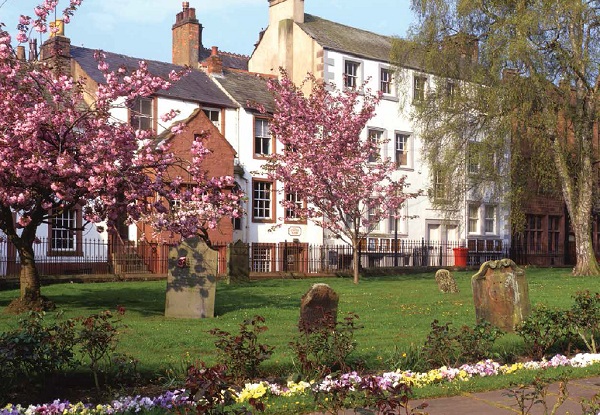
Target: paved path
[{"x": 497, "y": 403}]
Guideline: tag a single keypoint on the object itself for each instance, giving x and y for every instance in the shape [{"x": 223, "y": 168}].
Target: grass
[{"x": 395, "y": 312}]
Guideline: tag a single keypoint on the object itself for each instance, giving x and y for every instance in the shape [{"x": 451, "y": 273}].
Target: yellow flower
[{"x": 252, "y": 390}]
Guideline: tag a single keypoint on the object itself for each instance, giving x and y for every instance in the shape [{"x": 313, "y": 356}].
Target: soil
[
  {"x": 19, "y": 305},
  {"x": 76, "y": 388}
]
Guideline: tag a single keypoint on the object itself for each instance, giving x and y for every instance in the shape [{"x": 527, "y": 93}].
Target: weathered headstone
[
  {"x": 445, "y": 281},
  {"x": 191, "y": 282},
  {"x": 318, "y": 308},
  {"x": 501, "y": 294},
  {"x": 239, "y": 266}
]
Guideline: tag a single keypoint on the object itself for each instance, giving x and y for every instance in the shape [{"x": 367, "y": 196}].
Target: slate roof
[
  {"x": 196, "y": 86},
  {"x": 357, "y": 42},
  {"x": 247, "y": 88},
  {"x": 346, "y": 39}
]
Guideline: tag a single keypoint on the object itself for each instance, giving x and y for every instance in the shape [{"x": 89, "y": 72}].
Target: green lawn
[{"x": 395, "y": 312}]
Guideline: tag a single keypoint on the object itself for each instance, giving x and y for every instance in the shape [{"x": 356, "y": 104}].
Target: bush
[
  {"x": 97, "y": 340},
  {"x": 584, "y": 318},
  {"x": 210, "y": 390},
  {"x": 447, "y": 346},
  {"x": 543, "y": 329},
  {"x": 242, "y": 354},
  {"x": 34, "y": 350},
  {"x": 326, "y": 346}
]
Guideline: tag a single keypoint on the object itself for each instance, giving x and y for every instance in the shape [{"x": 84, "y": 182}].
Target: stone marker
[
  {"x": 445, "y": 281},
  {"x": 191, "y": 282},
  {"x": 239, "y": 266},
  {"x": 318, "y": 308},
  {"x": 501, "y": 294}
]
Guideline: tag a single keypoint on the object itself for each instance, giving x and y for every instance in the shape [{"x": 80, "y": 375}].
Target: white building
[{"x": 347, "y": 56}]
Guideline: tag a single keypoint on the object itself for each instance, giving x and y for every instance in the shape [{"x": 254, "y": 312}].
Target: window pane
[
  {"x": 401, "y": 150},
  {"x": 63, "y": 231},
  {"x": 262, "y": 137},
  {"x": 473, "y": 219},
  {"x": 261, "y": 203}
]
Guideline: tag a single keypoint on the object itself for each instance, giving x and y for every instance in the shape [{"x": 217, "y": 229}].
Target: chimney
[
  {"x": 33, "y": 51},
  {"x": 57, "y": 50},
  {"x": 464, "y": 46},
  {"x": 187, "y": 37},
  {"x": 214, "y": 63},
  {"x": 21, "y": 52},
  {"x": 286, "y": 10}
]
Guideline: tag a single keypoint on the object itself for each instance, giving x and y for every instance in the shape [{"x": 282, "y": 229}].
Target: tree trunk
[
  {"x": 586, "y": 264},
  {"x": 29, "y": 277},
  {"x": 355, "y": 259},
  {"x": 578, "y": 194}
]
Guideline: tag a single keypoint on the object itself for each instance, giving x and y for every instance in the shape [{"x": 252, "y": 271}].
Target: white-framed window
[
  {"x": 440, "y": 186},
  {"x": 291, "y": 214},
  {"x": 371, "y": 244},
  {"x": 263, "y": 142},
  {"x": 401, "y": 149},
  {"x": 214, "y": 115},
  {"x": 419, "y": 86},
  {"x": 473, "y": 218},
  {"x": 263, "y": 256},
  {"x": 262, "y": 200},
  {"x": 385, "y": 81},
  {"x": 142, "y": 113},
  {"x": 351, "y": 74},
  {"x": 65, "y": 231},
  {"x": 489, "y": 219},
  {"x": 473, "y": 157},
  {"x": 375, "y": 137},
  {"x": 373, "y": 212}
]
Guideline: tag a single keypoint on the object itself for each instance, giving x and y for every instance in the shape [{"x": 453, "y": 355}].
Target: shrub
[
  {"x": 97, "y": 340},
  {"x": 210, "y": 390},
  {"x": 35, "y": 349},
  {"x": 447, "y": 346},
  {"x": 584, "y": 318},
  {"x": 543, "y": 329},
  {"x": 476, "y": 342},
  {"x": 242, "y": 354},
  {"x": 326, "y": 347}
]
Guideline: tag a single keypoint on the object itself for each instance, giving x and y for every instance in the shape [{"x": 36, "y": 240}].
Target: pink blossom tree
[
  {"x": 60, "y": 149},
  {"x": 342, "y": 181}
]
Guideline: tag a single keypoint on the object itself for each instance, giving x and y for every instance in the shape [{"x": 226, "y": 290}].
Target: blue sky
[{"x": 142, "y": 28}]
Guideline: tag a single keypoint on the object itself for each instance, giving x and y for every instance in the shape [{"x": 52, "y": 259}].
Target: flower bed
[{"x": 352, "y": 381}]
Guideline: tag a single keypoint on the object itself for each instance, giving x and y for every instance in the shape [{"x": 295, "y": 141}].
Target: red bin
[{"x": 460, "y": 257}]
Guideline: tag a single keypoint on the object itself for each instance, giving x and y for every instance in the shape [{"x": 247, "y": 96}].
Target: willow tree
[{"x": 518, "y": 77}]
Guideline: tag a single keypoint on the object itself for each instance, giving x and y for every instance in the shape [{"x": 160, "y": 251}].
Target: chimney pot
[
  {"x": 215, "y": 51},
  {"x": 186, "y": 5},
  {"x": 21, "y": 52}
]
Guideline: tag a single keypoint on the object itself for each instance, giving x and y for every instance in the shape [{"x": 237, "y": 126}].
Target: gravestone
[
  {"x": 318, "y": 308},
  {"x": 501, "y": 294},
  {"x": 239, "y": 266},
  {"x": 191, "y": 282},
  {"x": 445, "y": 281}
]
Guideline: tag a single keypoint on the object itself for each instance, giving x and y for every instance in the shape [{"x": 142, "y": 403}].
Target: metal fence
[
  {"x": 91, "y": 256},
  {"x": 307, "y": 258}
]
